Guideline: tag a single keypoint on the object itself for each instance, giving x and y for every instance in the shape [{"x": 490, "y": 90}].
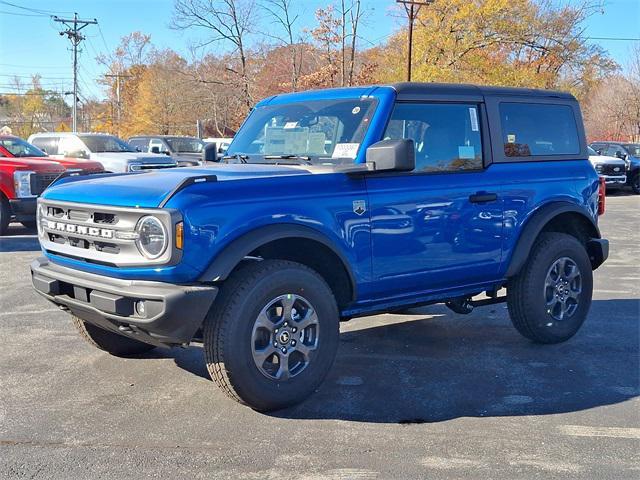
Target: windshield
[
  {"x": 19, "y": 148},
  {"x": 321, "y": 131},
  {"x": 634, "y": 149},
  {"x": 105, "y": 143},
  {"x": 185, "y": 145}
]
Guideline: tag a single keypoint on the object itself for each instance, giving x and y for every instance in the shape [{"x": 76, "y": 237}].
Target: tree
[{"x": 227, "y": 21}]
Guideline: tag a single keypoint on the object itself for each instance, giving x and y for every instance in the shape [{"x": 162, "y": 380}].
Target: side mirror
[
  {"x": 392, "y": 155},
  {"x": 155, "y": 149},
  {"x": 76, "y": 154},
  {"x": 621, "y": 155},
  {"x": 44, "y": 150},
  {"x": 210, "y": 153},
  {"x": 138, "y": 149}
]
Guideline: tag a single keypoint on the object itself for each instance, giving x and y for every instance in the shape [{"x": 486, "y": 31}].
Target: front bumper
[
  {"x": 172, "y": 313},
  {"x": 612, "y": 180},
  {"x": 23, "y": 209}
]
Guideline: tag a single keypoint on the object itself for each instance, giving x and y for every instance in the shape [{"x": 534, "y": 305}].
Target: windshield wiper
[
  {"x": 240, "y": 157},
  {"x": 305, "y": 158}
]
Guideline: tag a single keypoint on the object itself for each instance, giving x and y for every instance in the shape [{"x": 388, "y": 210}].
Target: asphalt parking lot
[{"x": 426, "y": 395}]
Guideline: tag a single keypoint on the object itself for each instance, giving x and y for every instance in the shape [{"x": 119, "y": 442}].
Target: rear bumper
[
  {"x": 598, "y": 250},
  {"x": 23, "y": 209},
  {"x": 171, "y": 315}
]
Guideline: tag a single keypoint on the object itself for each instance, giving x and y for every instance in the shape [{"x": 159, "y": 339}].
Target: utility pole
[
  {"x": 118, "y": 76},
  {"x": 412, "y": 7},
  {"x": 74, "y": 25}
]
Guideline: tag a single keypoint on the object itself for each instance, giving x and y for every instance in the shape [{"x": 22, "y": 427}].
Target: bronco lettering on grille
[{"x": 80, "y": 229}]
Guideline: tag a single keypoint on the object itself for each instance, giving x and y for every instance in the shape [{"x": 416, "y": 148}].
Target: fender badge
[{"x": 359, "y": 207}]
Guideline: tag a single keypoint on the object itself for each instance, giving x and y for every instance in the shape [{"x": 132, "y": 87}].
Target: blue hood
[{"x": 147, "y": 190}]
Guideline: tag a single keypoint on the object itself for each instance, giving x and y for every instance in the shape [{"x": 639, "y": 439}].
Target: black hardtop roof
[{"x": 415, "y": 89}]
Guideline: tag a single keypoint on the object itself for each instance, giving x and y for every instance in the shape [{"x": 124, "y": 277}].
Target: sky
[{"x": 30, "y": 43}]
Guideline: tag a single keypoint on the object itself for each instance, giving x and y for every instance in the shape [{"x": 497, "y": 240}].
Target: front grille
[
  {"x": 608, "y": 169},
  {"x": 97, "y": 234},
  {"x": 40, "y": 181}
]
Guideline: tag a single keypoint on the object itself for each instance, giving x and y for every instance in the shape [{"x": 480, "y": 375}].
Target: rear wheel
[
  {"x": 272, "y": 335},
  {"x": 114, "y": 343},
  {"x": 549, "y": 299}
]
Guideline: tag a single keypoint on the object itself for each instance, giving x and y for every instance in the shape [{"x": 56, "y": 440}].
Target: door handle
[{"x": 482, "y": 197}]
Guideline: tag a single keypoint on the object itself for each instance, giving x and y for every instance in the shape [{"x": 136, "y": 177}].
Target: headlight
[
  {"x": 39, "y": 217},
  {"x": 152, "y": 239},
  {"x": 22, "y": 183}
]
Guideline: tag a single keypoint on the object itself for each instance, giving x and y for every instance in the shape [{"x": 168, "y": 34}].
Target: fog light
[{"x": 141, "y": 309}]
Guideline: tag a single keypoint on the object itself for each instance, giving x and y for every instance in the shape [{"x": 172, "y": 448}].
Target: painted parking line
[{"x": 613, "y": 432}]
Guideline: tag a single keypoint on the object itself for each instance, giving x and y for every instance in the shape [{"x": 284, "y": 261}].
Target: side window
[
  {"x": 159, "y": 144},
  {"x": 612, "y": 150},
  {"x": 446, "y": 136},
  {"x": 72, "y": 147},
  {"x": 48, "y": 144},
  {"x": 141, "y": 143},
  {"x": 536, "y": 129}
]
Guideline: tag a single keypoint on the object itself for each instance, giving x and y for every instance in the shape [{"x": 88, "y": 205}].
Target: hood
[
  {"x": 26, "y": 163},
  {"x": 88, "y": 165},
  {"x": 148, "y": 189},
  {"x": 134, "y": 157},
  {"x": 596, "y": 159}
]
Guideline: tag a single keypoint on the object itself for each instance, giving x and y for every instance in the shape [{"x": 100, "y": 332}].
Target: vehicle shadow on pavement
[
  {"x": 19, "y": 239},
  {"x": 451, "y": 366}
]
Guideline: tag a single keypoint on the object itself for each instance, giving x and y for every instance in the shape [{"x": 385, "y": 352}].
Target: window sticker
[
  {"x": 345, "y": 150},
  {"x": 511, "y": 138},
  {"x": 356, "y": 110},
  {"x": 473, "y": 115},
  {"x": 316, "y": 143},
  {"x": 466, "y": 152},
  {"x": 291, "y": 125}
]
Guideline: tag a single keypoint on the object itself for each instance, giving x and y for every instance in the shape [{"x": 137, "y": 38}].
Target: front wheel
[
  {"x": 635, "y": 184},
  {"x": 272, "y": 335},
  {"x": 110, "y": 342},
  {"x": 549, "y": 299}
]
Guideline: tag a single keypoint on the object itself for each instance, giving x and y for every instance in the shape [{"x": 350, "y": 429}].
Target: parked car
[
  {"x": 629, "y": 152},
  {"x": 187, "y": 151},
  {"x": 114, "y": 154},
  {"x": 21, "y": 181},
  {"x": 15, "y": 147},
  {"x": 334, "y": 204},
  {"x": 611, "y": 169}
]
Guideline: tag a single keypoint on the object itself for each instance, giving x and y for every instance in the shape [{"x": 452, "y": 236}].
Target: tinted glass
[
  {"x": 49, "y": 144},
  {"x": 530, "y": 129},
  {"x": 185, "y": 145},
  {"x": 446, "y": 136},
  {"x": 633, "y": 149},
  {"x": 19, "y": 148},
  {"x": 105, "y": 143},
  {"x": 323, "y": 130},
  {"x": 141, "y": 143}
]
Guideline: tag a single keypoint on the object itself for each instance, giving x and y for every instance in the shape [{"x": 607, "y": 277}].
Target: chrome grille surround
[{"x": 62, "y": 231}]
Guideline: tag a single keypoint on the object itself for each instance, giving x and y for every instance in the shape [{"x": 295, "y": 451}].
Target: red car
[
  {"x": 21, "y": 181},
  {"x": 14, "y": 147},
  {"x": 25, "y": 171}
]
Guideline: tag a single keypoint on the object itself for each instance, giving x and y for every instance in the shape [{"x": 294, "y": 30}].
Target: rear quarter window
[{"x": 538, "y": 130}]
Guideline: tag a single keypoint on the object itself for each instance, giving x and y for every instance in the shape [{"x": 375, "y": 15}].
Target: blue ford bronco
[{"x": 329, "y": 205}]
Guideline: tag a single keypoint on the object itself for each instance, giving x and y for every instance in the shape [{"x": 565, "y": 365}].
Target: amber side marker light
[
  {"x": 179, "y": 235},
  {"x": 602, "y": 196}
]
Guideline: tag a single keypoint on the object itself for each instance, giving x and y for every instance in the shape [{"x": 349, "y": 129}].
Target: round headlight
[{"x": 152, "y": 237}]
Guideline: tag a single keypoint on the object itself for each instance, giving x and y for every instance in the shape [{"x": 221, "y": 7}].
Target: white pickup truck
[{"x": 114, "y": 154}]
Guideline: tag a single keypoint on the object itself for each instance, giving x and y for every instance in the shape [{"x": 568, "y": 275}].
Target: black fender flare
[
  {"x": 534, "y": 225},
  {"x": 224, "y": 263}
]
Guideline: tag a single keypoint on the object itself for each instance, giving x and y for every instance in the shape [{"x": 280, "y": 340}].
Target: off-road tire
[
  {"x": 113, "y": 343},
  {"x": 5, "y": 215},
  {"x": 227, "y": 333},
  {"x": 525, "y": 292}
]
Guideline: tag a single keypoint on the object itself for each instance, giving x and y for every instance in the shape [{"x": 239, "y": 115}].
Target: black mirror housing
[
  {"x": 392, "y": 155},
  {"x": 210, "y": 153}
]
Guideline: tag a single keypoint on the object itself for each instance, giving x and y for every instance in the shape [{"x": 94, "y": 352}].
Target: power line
[
  {"x": 23, "y": 14},
  {"x": 44, "y": 13}
]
